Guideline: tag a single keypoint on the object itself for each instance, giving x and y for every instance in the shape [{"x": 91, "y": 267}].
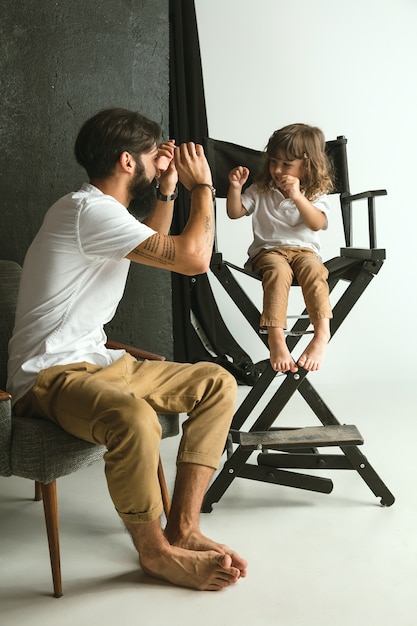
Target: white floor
[{"x": 314, "y": 560}]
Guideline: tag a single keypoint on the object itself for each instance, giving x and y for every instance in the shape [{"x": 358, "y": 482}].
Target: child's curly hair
[{"x": 299, "y": 141}]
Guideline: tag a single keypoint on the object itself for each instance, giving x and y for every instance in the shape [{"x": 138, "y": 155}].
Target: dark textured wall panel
[{"x": 60, "y": 62}]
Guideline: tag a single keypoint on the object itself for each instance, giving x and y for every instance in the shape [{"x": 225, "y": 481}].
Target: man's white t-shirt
[
  {"x": 74, "y": 276},
  {"x": 276, "y": 221}
]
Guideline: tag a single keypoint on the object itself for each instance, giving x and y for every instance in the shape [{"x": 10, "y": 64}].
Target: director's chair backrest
[{"x": 223, "y": 156}]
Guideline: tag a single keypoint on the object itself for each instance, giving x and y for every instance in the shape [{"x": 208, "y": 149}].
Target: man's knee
[
  {"x": 220, "y": 376},
  {"x": 217, "y": 387},
  {"x": 132, "y": 419}
]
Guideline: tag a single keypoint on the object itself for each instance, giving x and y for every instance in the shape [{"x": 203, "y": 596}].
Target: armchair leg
[
  {"x": 48, "y": 493},
  {"x": 164, "y": 490},
  {"x": 50, "y": 505},
  {"x": 38, "y": 491}
]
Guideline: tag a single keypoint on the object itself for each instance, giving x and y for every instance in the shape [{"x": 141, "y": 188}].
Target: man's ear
[{"x": 126, "y": 161}]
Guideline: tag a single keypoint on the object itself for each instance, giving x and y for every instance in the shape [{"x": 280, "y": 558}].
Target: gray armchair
[{"x": 38, "y": 449}]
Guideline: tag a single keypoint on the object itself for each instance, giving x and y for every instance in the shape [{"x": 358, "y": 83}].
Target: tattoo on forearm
[
  {"x": 209, "y": 228},
  {"x": 168, "y": 251},
  {"x": 153, "y": 249},
  {"x": 152, "y": 244}
]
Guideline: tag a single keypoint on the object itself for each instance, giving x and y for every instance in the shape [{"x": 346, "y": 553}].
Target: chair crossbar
[{"x": 297, "y": 460}]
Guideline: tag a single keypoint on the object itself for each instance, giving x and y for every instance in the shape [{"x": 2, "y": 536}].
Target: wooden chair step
[{"x": 311, "y": 436}]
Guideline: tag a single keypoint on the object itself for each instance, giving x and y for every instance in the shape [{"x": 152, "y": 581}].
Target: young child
[{"x": 288, "y": 204}]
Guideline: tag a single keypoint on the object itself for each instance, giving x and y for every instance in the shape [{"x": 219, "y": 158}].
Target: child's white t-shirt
[
  {"x": 276, "y": 221},
  {"x": 74, "y": 276}
]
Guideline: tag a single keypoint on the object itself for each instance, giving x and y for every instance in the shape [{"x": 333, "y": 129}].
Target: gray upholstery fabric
[
  {"x": 5, "y": 438},
  {"x": 42, "y": 451},
  {"x": 36, "y": 448},
  {"x": 9, "y": 285}
]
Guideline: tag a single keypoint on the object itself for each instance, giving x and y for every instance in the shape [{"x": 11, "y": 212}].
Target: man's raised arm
[{"x": 190, "y": 252}]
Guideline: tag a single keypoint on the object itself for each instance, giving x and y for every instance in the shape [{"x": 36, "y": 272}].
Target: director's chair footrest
[
  {"x": 312, "y": 436},
  {"x": 286, "y": 479}
]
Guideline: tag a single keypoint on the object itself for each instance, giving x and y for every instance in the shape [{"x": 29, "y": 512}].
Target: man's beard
[{"x": 143, "y": 192}]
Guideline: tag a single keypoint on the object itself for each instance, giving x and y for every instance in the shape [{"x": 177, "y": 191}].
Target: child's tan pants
[{"x": 278, "y": 268}]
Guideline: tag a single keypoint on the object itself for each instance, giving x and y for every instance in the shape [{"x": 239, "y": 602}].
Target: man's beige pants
[{"x": 117, "y": 407}]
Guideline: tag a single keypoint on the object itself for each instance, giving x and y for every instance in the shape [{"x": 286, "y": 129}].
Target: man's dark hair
[{"x": 107, "y": 134}]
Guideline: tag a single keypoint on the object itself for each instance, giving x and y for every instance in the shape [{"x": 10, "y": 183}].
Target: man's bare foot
[
  {"x": 202, "y": 570},
  {"x": 313, "y": 355},
  {"x": 195, "y": 540},
  {"x": 280, "y": 357},
  {"x": 208, "y": 567}
]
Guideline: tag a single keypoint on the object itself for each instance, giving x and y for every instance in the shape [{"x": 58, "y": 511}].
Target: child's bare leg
[
  {"x": 280, "y": 357},
  {"x": 313, "y": 355}
]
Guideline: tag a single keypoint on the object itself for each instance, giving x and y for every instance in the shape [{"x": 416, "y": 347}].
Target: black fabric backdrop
[{"x": 188, "y": 122}]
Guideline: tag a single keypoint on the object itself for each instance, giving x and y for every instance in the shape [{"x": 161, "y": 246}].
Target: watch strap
[{"x": 169, "y": 198}]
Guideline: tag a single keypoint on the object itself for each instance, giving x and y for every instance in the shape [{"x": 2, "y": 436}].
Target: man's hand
[
  {"x": 165, "y": 155},
  {"x": 238, "y": 177},
  {"x": 168, "y": 176},
  {"x": 192, "y": 166}
]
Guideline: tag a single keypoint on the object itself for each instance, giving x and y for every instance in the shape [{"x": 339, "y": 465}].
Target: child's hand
[
  {"x": 238, "y": 177},
  {"x": 290, "y": 186}
]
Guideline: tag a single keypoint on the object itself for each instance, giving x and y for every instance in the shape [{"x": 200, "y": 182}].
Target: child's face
[{"x": 279, "y": 166}]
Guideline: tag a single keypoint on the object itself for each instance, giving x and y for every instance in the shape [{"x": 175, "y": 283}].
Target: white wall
[{"x": 350, "y": 68}]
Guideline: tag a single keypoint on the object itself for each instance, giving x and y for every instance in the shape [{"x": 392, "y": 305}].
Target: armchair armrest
[
  {"x": 136, "y": 352},
  {"x": 4, "y": 395}
]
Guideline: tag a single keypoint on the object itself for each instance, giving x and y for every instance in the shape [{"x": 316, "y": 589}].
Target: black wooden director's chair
[{"x": 282, "y": 450}]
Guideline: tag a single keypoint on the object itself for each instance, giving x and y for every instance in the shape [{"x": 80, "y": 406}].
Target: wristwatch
[{"x": 164, "y": 198}]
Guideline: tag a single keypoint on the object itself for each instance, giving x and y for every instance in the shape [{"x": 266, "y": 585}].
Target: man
[{"x": 73, "y": 278}]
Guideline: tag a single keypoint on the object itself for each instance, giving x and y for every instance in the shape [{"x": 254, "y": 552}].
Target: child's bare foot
[
  {"x": 313, "y": 355},
  {"x": 205, "y": 571},
  {"x": 280, "y": 357}
]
